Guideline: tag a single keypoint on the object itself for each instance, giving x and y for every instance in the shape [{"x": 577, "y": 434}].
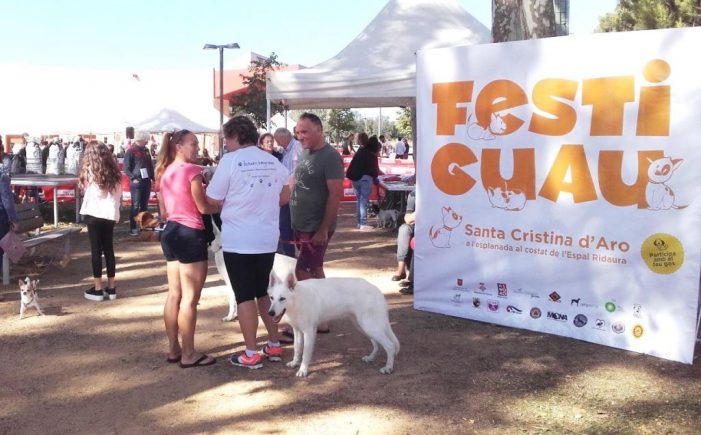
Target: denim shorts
[{"x": 183, "y": 244}]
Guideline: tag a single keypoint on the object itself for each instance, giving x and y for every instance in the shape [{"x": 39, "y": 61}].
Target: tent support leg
[{"x": 267, "y": 114}]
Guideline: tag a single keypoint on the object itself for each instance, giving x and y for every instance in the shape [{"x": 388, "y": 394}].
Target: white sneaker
[{"x": 366, "y": 228}]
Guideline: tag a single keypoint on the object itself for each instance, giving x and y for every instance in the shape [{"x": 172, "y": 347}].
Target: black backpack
[{"x": 18, "y": 164}]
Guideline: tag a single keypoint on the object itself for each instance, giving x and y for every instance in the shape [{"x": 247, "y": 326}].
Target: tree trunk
[{"x": 515, "y": 20}]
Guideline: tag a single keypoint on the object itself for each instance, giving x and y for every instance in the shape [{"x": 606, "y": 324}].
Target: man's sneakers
[
  {"x": 107, "y": 293},
  {"x": 94, "y": 295},
  {"x": 274, "y": 354}
]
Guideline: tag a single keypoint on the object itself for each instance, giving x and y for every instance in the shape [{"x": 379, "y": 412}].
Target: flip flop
[
  {"x": 199, "y": 363},
  {"x": 170, "y": 360}
]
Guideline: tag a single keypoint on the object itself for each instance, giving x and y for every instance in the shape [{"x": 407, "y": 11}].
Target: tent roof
[
  {"x": 169, "y": 120},
  {"x": 378, "y": 68},
  {"x": 45, "y": 99}
]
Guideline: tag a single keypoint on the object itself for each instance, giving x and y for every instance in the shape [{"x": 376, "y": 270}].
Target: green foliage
[
  {"x": 340, "y": 123},
  {"x": 403, "y": 123},
  {"x": 651, "y": 14},
  {"x": 252, "y": 102}
]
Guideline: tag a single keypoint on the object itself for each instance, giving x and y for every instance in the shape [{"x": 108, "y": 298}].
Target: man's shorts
[
  {"x": 183, "y": 244},
  {"x": 310, "y": 256},
  {"x": 249, "y": 274}
]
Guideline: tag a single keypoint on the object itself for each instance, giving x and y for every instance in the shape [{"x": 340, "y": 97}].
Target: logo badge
[
  {"x": 493, "y": 306},
  {"x": 482, "y": 287},
  {"x": 476, "y": 302},
  {"x": 638, "y": 331},
  {"x": 580, "y": 320},
  {"x": 513, "y": 310},
  {"x": 457, "y": 298},
  {"x": 637, "y": 308},
  {"x": 557, "y": 316},
  {"x": 610, "y": 307},
  {"x": 536, "y": 313},
  {"x": 555, "y": 297},
  {"x": 600, "y": 324},
  {"x": 502, "y": 292},
  {"x": 618, "y": 327},
  {"x": 459, "y": 282}
]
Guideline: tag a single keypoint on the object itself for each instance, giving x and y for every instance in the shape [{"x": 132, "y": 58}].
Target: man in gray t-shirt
[{"x": 316, "y": 194}]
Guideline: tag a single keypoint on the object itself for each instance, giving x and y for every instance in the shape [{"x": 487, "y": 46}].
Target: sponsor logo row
[{"x": 578, "y": 320}]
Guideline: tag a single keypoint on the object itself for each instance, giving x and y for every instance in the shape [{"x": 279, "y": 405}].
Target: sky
[{"x": 140, "y": 35}]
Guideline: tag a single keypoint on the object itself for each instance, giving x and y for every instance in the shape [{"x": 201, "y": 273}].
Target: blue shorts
[
  {"x": 249, "y": 274},
  {"x": 183, "y": 244}
]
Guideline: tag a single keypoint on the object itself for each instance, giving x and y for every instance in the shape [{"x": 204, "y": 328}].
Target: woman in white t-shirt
[
  {"x": 253, "y": 184},
  {"x": 101, "y": 181}
]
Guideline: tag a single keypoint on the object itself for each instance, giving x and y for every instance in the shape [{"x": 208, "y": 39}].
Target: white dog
[
  {"x": 282, "y": 265},
  {"x": 387, "y": 218},
  {"x": 310, "y": 302},
  {"x": 28, "y": 296}
]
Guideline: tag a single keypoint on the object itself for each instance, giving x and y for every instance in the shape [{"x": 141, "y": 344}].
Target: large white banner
[{"x": 558, "y": 185}]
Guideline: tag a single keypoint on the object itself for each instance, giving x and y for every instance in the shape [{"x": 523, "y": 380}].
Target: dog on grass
[
  {"x": 308, "y": 303},
  {"x": 282, "y": 266},
  {"x": 28, "y": 296}
]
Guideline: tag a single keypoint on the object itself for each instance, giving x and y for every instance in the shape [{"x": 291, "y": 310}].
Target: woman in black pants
[{"x": 100, "y": 180}]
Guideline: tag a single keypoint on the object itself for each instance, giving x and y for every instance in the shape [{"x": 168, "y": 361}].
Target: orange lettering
[
  {"x": 497, "y": 96},
  {"x": 446, "y": 168},
  {"x": 572, "y": 158},
  {"x": 563, "y": 117},
  {"x": 653, "y": 109},
  {"x": 613, "y": 189},
  {"x": 523, "y": 175},
  {"x": 445, "y": 97},
  {"x": 607, "y": 96}
]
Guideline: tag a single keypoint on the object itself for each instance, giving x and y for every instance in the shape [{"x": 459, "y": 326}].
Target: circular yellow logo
[
  {"x": 638, "y": 331},
  {"x": 663, "y": 253}
]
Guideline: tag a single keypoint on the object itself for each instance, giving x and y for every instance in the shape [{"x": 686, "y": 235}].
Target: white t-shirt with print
[{"x": 249, "y": 180}]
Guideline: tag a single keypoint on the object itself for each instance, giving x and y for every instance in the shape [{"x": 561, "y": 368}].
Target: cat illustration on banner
[
  {"x": 477, "y": 132},
  {"x": 658, "y": 194},
  {"x": 506, "y": 199},
  {"x": 440, "y": 234}
]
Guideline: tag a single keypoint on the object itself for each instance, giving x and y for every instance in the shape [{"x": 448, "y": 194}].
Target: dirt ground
[{"x": 99, "y": 367}]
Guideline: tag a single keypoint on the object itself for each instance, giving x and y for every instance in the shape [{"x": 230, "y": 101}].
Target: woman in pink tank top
[{"x": 182, "y": 202}]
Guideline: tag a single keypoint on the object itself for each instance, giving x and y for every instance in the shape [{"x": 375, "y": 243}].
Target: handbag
[{"x": 13, "y": 246}]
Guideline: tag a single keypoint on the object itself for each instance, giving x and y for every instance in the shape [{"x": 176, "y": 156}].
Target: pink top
[{"x": 176, "y": 193}]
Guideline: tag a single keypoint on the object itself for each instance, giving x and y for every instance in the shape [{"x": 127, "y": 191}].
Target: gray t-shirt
[{"x": 310, "y": 192}]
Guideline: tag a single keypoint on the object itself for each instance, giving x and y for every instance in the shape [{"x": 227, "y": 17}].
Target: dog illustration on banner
[
  {"x": 506, "y": 199},
  {"x": 477, "y": 132},
  {"x": 440, "y": 234},
  {"x": 658, "y": 194}
]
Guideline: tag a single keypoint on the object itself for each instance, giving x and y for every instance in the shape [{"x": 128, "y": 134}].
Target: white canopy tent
[
  {"x": 378, "y": 68},
  {"x": 45, "y": 100},
  {"x": 167, "y": 120}
]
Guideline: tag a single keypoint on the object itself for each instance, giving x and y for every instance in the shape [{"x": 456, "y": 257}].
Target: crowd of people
[{"x": 272, "y": 192}]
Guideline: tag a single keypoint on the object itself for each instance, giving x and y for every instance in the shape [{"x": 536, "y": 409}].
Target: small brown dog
[{"x": 147, "y": 224}]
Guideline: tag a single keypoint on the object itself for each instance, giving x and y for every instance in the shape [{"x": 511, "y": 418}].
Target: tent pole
[
  {"x": 379, "y": 124},
  {"x": 267, "y": 113}
]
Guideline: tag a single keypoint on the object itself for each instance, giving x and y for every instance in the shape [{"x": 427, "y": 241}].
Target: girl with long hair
[
  {"x": 182, "y": 202},
  {"x": 101, "y": 182}
]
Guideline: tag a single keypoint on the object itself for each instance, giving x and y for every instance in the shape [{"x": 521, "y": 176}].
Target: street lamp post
[{"x": 221, "y": 88}]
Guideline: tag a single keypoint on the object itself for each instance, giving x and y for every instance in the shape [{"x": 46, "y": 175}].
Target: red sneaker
[{"x": 274, "y": 353}]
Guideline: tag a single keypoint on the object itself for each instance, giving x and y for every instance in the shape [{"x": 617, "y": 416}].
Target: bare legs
[
  {"x": 248, "y": 321},
  {"x": 185, "y": 283}
]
